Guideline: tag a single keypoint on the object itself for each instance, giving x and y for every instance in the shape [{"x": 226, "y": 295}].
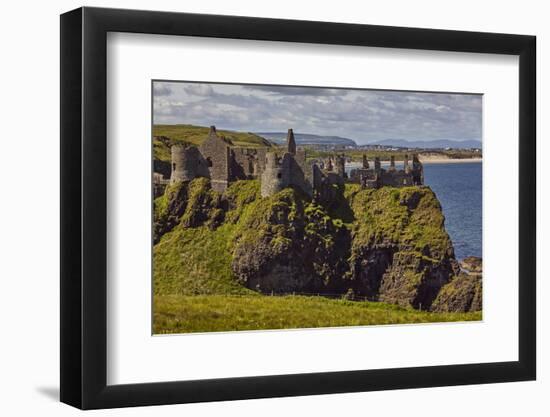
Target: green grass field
[{"x": 218, "y": 313}]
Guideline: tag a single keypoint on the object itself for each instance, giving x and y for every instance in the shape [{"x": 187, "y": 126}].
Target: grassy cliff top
[{"x": 410, "y": 217}]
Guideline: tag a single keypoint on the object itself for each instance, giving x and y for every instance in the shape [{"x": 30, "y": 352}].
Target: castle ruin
[
  {"x": 219, "y": 160},
  {"x": 377, "y": 176},
  {"x": 216, "y": 158}
]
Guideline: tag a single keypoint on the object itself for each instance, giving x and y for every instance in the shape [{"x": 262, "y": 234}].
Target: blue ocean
[{"x": 458, "y": 187}]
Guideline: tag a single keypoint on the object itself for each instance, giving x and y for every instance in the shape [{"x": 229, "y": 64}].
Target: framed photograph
[{"x": 257, "y": 208}]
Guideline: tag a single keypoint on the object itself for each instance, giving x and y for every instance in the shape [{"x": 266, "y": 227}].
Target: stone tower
[
  {"x": 183, "y": 164},
  {"x": 290, "y": 142},
  {"x": 274, "y": 179},
  {"x": 365, "y": 162}
]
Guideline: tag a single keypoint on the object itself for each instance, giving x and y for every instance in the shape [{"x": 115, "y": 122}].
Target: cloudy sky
[{"x": 363, "y": 115}]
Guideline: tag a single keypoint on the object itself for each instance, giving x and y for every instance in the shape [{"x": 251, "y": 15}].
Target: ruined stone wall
[
  {"x": 300, "y": 175},
  {"x": 417, "y": 171},
  {"x": 367, "y": 178},
  {"x": 392, "y": 177},
  {"x": 396, "y": 178},
  {"x": 217, "y": 154},
  {"x": 247, "y": 163},
  {"x": 261, "y": 159},
  {"x": 300, "y": 172},
  {"x": 159, "y": 184},
  {"x": 341, "y": 166}
]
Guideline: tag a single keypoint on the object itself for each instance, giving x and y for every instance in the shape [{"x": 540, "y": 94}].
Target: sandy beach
[
  {"x": 439, "y": 160},
  {"x": 425, "y": 160}
]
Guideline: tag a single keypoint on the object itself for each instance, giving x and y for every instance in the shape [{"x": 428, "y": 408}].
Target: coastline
[
  {"x": 449, "y": 160},
  {"x": 354, "y": 164}
]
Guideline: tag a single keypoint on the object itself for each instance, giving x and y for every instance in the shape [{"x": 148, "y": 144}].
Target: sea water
[{"x": 458, "y": 186}]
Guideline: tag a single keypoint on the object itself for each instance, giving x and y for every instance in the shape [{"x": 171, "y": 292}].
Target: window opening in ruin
[
  {"x": 279, "y": 175},
  {"x": 173, "y": 166},
  {"x": 209, "y": 161}
]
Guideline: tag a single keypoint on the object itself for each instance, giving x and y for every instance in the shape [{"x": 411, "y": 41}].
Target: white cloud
[{"x": 363, "y": 115}]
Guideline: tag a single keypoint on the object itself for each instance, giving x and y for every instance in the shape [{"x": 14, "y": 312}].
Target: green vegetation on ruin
[{"x": 207, "y": 313}]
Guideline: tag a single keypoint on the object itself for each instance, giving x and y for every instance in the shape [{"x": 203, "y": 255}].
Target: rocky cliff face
[
  {"x": 292, "y": 245},
  {"x": 401, "y": 252},
  {"x": 462, "y": 293},
  {"x": 386, "y": 245}
]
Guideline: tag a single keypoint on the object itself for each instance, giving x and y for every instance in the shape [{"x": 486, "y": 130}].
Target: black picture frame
[{"x": 84, "y": 207}]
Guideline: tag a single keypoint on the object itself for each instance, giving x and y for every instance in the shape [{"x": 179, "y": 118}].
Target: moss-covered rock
[
  {"x": 168, "y": 209},
  {"x": 400, "y": 250},
  {"x": 462, "y": 294},
  {"x": 204, "y": 206},
  {"x": 290, "y": 244},
  {"x": 472, "y": 264}
]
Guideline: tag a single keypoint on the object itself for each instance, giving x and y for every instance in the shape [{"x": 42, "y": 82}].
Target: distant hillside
[
  {"x": 197, "y": 134},
  {"x": 456, "y": 144},
  {"x": 308, "y": 139}
]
